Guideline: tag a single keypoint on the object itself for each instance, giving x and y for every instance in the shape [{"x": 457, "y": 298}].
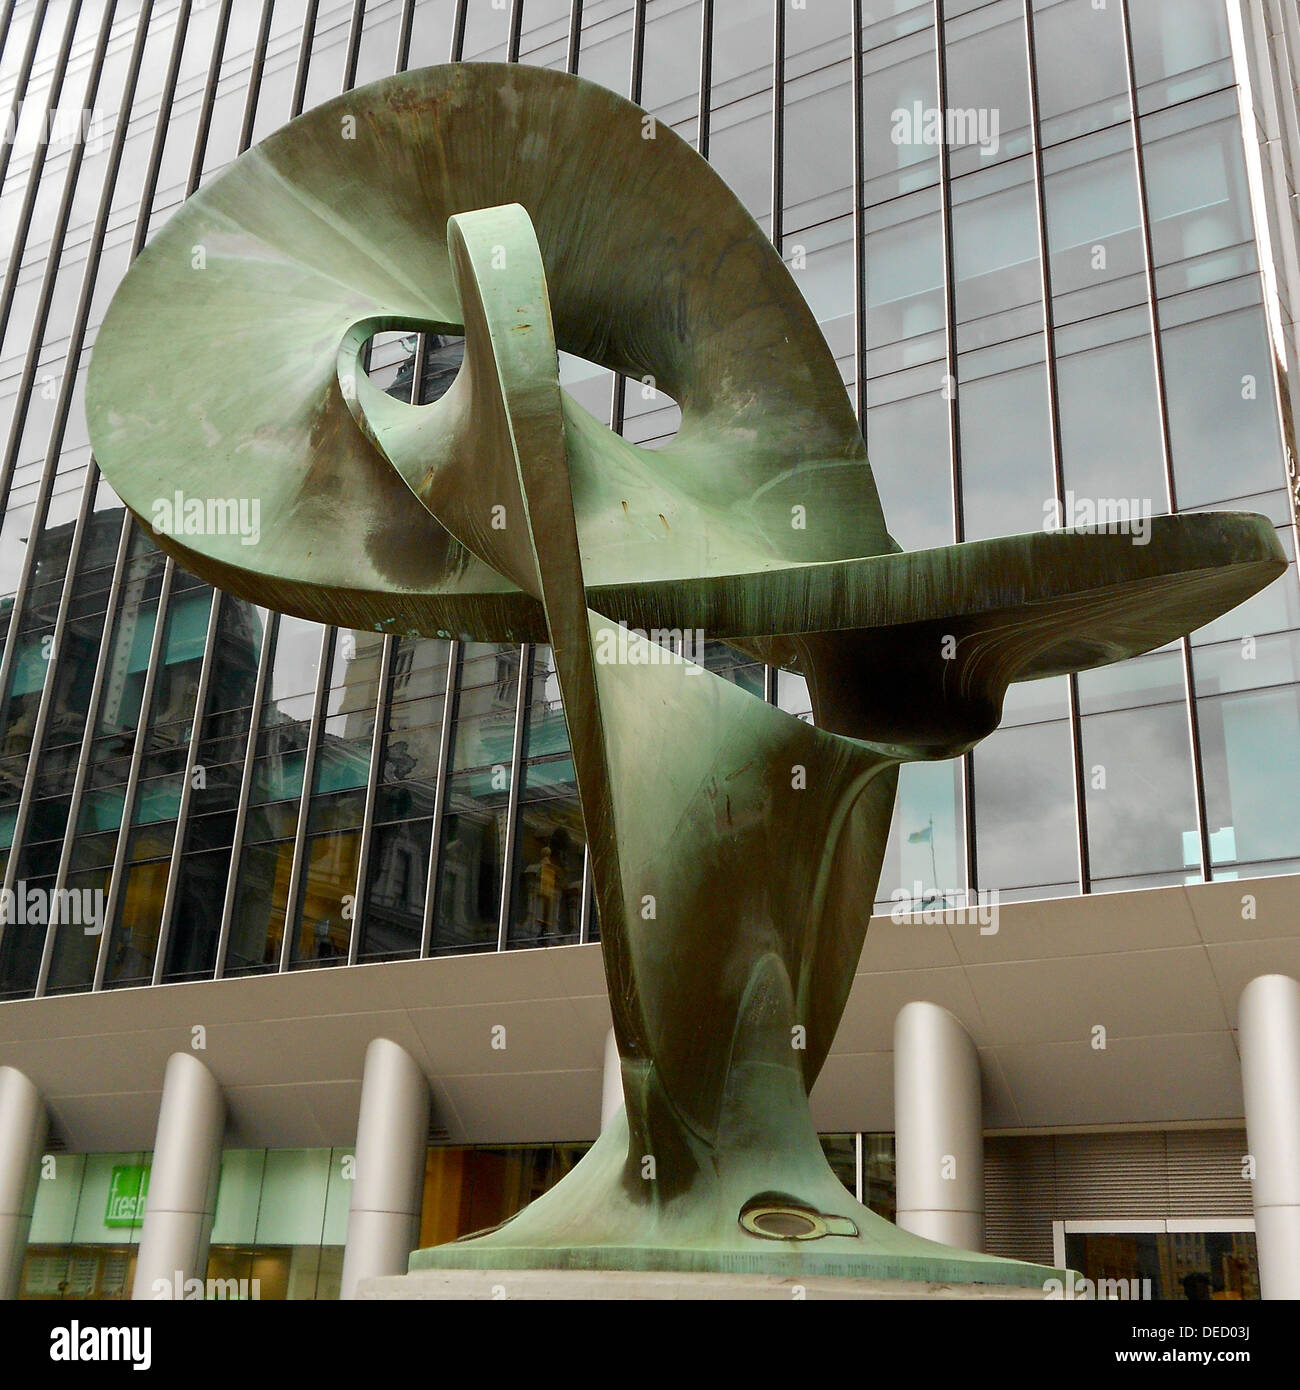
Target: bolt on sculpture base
[{"x": 735, "y": 850}]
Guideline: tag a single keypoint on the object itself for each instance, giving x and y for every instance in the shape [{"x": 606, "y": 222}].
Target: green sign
[{"x": 127, "y": 1191}]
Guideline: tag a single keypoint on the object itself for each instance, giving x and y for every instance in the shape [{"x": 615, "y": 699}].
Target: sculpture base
[
  {"x": 631, "y": 1285},
  {"x": 893, "y": 1256},
  {"x": 773, "y": 1210}
]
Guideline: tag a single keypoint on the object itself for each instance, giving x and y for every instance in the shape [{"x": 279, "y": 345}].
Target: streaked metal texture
[{"x": 734, "y": 848}]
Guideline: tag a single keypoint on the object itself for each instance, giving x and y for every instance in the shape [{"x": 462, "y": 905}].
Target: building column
[
  {"x": 183, "y": 1180},
  {"x": 938, "y": 1128},
  {"x": 1269, "y": 1021},
  {"x": 23, "y": 1127},
  {"x": 392, "y": 1139},
  {"x": 611, "y": 1083}
]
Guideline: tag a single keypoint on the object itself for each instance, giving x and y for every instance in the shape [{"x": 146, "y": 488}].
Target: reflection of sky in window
[{"x": 293, "y": 674}]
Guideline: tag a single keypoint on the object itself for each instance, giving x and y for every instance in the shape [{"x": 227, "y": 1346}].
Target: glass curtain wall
[{"x": 1056, "y": 304}]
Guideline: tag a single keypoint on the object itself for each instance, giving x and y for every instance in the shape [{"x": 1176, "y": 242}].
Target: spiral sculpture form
[{"x": 736, "y": 850}]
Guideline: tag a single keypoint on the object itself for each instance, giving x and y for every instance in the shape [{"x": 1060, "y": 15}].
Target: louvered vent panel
[
  {"x": 1030, "y": 1182},
  {"x": 1019, "y": 1194},
  {"x": 1104, "y": 1175},
  {"x": 1205, "y": 1173}
]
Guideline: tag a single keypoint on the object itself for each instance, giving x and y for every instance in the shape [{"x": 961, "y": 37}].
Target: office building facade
[{"x": 1053, "y": 247}]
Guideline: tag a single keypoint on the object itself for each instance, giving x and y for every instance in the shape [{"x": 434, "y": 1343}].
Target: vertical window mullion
[
  {"x": 859, "y": 231},
  {"x": 382, "y": 698},
  {"x": 21, "y": 82},
  {"x": 265, "y": 657},
  {"x": 67, "y": 384},
  {"x": 575, "y": 35},
  {"x": 1166, "y": 438},
  {"x": 778, "y": 126},
  {"x": 255, "y": 76},
  {"x": 522, "y": 707},
  {"x": 354, "y": 44},
  {"x": 706, "y": 78},
  {"x": 37, "y": 167},
  {"x": 293, "y": 894},
  {"x": 187, "y": 786},
  {"x": 951, "y": 393},
  {"x": 156, "y": 646},
  {"x": 1054, "y": 429},
  {"x": 174, "y": 868},
  {"x": 450, "y": 711},
  {"x": 113, "y": 597}
]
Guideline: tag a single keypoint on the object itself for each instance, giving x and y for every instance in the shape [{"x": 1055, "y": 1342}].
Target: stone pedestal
[{"x": 631, "y": 1285}]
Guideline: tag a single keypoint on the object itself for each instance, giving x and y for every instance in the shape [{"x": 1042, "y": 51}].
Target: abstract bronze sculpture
[{"x": 735, "y": 849}]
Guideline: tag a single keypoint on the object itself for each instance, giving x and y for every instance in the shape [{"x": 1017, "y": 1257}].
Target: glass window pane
[
  {"x": 1006, "y": 443},
  {"x": 899, "y": 86},
  {"x": 988, "y": 85},
  {"x": 257, "y": 922},
  {"x": 907, "y": 439},
  {"x": 347, "y": 731},
  {"x": 926, "y": 850},
  {"x": 905, "y": 298},
  {"x": 1094, "y": 238},
  {"x": 1180, "y": 50},
  {"x": 1250, "y": 746},
  {"x": 135, "y": 933},
  {"x": 392, "y": 911},
  {"x": 1025, "y": 830},
  {"x": 329, "y": 887},
  {"x": 1139, "y": 794},
  {"x": 1223, "y": 419},
  {"x": 740, "y": 140},
  {"x": 1111, "y": 451},
  {"x": 995, "y": 247},
  {"x": 196, "y": 919},
  {"x": 470, "y": 865},
  {"x": 546, "y": 891},
  {"x": 1076, "y": 97},
  {"x": 1196, "y": 189},
  {"x": 487, "y": 28}
]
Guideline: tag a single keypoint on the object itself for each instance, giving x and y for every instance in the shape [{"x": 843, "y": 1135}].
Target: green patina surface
[{"x": 527, "y": 211}]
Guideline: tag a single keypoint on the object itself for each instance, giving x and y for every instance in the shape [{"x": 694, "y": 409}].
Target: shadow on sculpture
[{"x": 735, "y": 849}]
